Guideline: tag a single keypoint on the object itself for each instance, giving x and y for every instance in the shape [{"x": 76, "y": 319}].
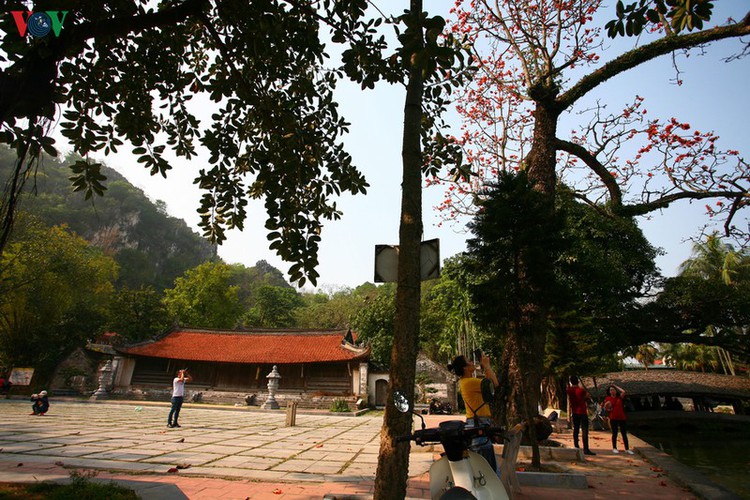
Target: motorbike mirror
[{"x": 400, "y": 402}]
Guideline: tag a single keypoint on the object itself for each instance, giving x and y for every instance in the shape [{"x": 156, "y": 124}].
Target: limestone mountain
[{"x": 151, "y": 247}]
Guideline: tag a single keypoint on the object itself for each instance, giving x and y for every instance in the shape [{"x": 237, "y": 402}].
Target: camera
[{"x": 476, "y": 356}]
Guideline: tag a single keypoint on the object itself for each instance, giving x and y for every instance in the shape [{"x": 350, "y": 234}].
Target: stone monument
[
  {"x": 105, "y": 378},
  {"x": 273, "y": 385}
]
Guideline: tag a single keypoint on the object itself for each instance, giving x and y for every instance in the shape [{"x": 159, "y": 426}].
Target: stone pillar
[
  {"x": 291, "y": 414},
  {"x": 105, "y": 378},
  {"x": 125, "y": 373},
  {"x": 363, "y": 375},
  {"x": 273, "y": 385},
  {"x": 117, "y": 363}
]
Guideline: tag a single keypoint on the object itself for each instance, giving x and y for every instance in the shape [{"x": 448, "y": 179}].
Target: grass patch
[{"x": 80, "y": 488}]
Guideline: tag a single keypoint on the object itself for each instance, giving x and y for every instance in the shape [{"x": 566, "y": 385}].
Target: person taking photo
[
  {"x": 475, "y": 393},
  {"x": 178, "y": 397}
]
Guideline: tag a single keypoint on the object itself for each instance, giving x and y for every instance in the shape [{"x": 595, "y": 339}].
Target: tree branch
[
  {"x": 615, "y": 193},
  {"x": 648, "y": 52},
  {"x": 736, "y": 205},
  {"x": 21, "y": 82},
  {"x": 120, "y": 26},
  {"x": 666, "y": 200}
]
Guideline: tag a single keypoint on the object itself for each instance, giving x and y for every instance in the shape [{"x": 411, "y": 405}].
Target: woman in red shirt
[{"x": 613, "y": 403}]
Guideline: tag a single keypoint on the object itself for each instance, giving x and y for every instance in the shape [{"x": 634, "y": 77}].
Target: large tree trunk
[
  {"x": 393, "y": 460},
  {"x": 552, "y": 390},
  {"x": 505, "y": 408},
  {"x": 532, "y": 323},
  {"x": 532, "y": 334}
]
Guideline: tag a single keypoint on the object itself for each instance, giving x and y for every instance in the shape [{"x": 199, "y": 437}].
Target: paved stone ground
[
  {"x": 322, "y": 454},
  {"x": 236, "y": 453},
  {"x": 234, "y": 443}
]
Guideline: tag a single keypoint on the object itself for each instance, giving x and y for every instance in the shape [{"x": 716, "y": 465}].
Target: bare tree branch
[{"x": 646, "y": 53}]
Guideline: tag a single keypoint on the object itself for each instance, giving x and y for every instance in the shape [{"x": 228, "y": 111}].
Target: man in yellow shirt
[{"x": 477, "y": 404}]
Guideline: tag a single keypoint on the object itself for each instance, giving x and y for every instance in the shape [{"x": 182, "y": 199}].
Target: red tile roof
[{"x": 256, "y": 346}]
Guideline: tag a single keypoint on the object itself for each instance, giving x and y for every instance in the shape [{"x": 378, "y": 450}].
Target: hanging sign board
[
  {"x": 21, "y": 376},
  {"x": 386, "y": 261}
]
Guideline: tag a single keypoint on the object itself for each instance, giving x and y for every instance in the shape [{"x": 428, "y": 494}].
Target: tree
[
  {"x": 203, "y": 297},
  {"x": 692, "y": 310},
  {"x": 605, "y": 264},
  {"x": 513, "y": 238},
  {"x": 375, "y": 324},
  {"x": 264, "y": 273},
  {"x": 447, "y": 326},
  {"x": 707, "y": 304},
  {"x": 138, "y": 315},
  {"x": 54, "y": 293},
  {"x": 691, "y": 357},
  {"x": 600, "y": 266},
  {"x": 274, "y": 307},
  {"x": 132, "y": 72},
  {"x": 717, "y": 261},
  {"x": 427, "y": 58},
  {"x": 248, "y": 280},
  {"x": 645, "y": 354},
  {"x": 675, "y": 15},
  {"x": 337, "y": 309},
  {"x": 513, "y": 110}
]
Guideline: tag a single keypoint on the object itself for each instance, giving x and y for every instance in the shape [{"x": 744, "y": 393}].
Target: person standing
[
  {"x": 178, "y": 396},
  {"x": 613, "y": 404},
  {"x": 578, "y": 410},
  {"x": 475, "y": 398}
]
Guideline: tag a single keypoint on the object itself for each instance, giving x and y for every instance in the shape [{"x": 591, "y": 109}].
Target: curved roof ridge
[
  {"x": 262, "y": 331},
  {"x": 265, "y": 346}
]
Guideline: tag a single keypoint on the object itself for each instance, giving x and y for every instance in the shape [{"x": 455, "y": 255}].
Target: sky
[{"x": 713, "y": 97}]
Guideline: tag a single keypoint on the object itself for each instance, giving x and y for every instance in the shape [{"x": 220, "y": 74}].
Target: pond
[{"x": 719, "y": 451}]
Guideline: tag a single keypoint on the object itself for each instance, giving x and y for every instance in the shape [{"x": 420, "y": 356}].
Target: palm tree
[
  {"x": 714, "y": 260},
  {"x": 692, "y": 357},
  {"x": 645, "y": 354}
]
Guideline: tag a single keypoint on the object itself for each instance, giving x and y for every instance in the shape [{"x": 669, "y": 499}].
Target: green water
[{"x": 722, "y": 454}]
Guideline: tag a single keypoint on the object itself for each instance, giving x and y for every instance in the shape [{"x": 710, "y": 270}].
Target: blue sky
[{"x": 713, "y": 97}]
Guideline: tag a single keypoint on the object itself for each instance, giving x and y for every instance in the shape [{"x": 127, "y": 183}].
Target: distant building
[{"x": 310, "y": 362}]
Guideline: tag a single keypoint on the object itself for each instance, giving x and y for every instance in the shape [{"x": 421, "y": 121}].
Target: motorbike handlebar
[{"x": 457, "y": 430}]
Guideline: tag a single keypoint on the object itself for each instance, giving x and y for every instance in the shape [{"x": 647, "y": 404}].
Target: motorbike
[
  {"x": 460, "y": 473},
  {"x": 438, "y": 408}
]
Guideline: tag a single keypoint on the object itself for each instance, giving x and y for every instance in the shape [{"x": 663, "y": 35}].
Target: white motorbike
[{"x": 460, "y": 473}]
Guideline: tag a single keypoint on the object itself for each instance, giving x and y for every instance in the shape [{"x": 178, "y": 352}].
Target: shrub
[{"x": 339, "y": 406}]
